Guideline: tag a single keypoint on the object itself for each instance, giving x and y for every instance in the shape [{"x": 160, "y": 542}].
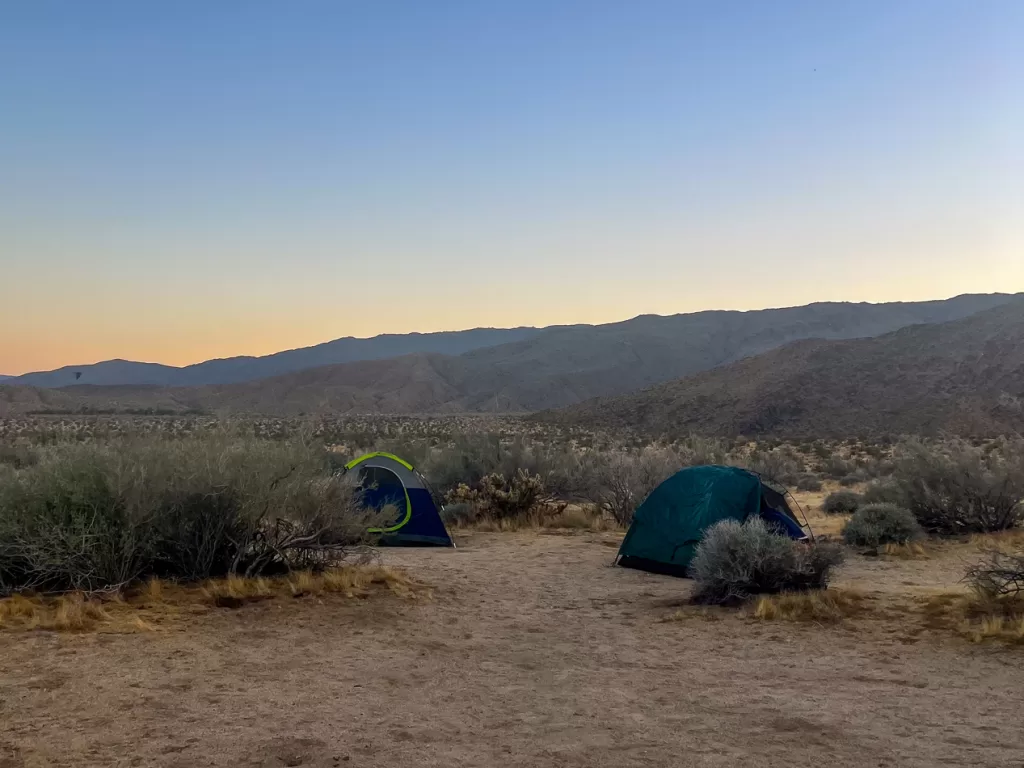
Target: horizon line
[{"x": 485, "y": 328}]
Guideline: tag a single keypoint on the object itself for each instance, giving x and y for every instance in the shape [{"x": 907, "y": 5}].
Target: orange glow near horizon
[{"x": 163, "y": 335}]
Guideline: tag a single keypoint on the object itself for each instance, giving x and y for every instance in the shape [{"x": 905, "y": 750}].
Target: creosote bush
[
  {"x": 959, "y": 488},
  {"x": 874, "y": 525},
  {"x": 619, "y": 481},
  {"x": 93, "y": 516},
  {"x": 780, "y": 466},
  {"x": 735, "y": 561},
  {"x": 883, "y": 492},
  {"x": 1000, "y": 575}
]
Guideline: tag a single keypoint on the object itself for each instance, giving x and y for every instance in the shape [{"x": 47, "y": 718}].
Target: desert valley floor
[{"x": 532, "y": 651}]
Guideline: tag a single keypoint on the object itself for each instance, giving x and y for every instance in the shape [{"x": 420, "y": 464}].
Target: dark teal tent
[{"x": 670, "y": 522}]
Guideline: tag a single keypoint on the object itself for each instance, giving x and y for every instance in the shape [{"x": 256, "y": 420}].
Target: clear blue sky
[{"x": 184, "y": 180}]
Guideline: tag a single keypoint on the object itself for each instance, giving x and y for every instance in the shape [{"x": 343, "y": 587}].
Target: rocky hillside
[{"x": 963, "y": 377}]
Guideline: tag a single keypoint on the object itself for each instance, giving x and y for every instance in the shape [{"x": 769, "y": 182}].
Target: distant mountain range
[
  {"x": 235, "y": 369},
  {"x": 548, "y": 368},
  {"x": 961, "y": 377},
  {"x": 5, "y": 378}
]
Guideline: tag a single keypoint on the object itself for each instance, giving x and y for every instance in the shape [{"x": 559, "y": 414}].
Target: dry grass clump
[
  {"x": 146, "y": 605},
  {"x": 913, "y": 550},
  {"x": 994, "y": 608},
  {"x": 823, "y": 606},
  {"x": 349, "y": 580},
  {"x": 977, "y": 618},
  {"x": 74, "y": 612}
]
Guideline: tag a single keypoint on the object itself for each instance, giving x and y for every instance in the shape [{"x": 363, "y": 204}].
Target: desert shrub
[
  {"x": 620, "y": 481},
  {"x": 841, "y": 503},
  {"x": 809, "y": 483},
  {"x": 501, "y": 498},
  {"x": 850, "y": 480},
  {"x": 1000, "y": 575},
  {"x": 468, "y": 459},
  {"x": 696, "y": 451},
  {"x": 779, "y": 466},
  {"x": 465, "y": 462},
  {"x": 459, "y": 513},
  {"x": 873, "y": 525},
  {"x": 959, "y": 488},
  {"x": 883, "y": 492},
  {"x": 735, "y": 561},
  {"x": 835, "y": 467},
  {"x": 17, "y": 455},
  {"x": 98, "y": 515}
]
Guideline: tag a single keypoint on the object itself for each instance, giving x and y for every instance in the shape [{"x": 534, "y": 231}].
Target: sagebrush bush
[
  {"x": 98, "y": 515},
  {"x": 960, "y": 488},
  {"x": 735, "y": 561},
  {"x": 873, "y": 525},
  {"x": 841, "y": 503}
]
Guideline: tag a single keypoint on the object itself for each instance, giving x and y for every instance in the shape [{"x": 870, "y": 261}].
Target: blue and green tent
[
  {"x": 671, "y": 521},
  {"x": 387, "y": 480}
]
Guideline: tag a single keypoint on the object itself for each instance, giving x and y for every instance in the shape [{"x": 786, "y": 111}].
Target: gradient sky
[{"x": 193, "y": 179}]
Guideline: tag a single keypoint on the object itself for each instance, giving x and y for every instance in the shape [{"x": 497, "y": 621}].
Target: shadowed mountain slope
[
  {"x": 963, "y": 377},
  {"x": 557, "y": 367}
]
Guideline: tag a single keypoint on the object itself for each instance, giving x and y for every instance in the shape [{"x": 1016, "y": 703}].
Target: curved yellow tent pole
[
  {"x": 391, "y": 456},
  {"x": 408, "y": 501}
]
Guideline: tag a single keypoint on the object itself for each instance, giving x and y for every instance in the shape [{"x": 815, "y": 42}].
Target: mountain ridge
[
  {"x": 963, "y": 376},
  {"x": 560, "y": 367},
  {"x": 584, "y": 347},
  {"x": 227, "y": 370}
]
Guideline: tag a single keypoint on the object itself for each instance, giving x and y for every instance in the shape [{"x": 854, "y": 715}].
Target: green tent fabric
[{"x": 670, "y": 522}]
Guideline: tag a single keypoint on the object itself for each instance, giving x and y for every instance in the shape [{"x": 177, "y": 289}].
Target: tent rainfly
[{"x": 671, "y": 521}]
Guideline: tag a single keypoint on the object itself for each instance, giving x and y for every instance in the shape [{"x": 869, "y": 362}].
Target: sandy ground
[{"x": 533, "y": 652}]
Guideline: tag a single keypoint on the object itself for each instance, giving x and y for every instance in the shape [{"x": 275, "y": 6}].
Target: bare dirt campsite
[{"x": 534, "y": 651}]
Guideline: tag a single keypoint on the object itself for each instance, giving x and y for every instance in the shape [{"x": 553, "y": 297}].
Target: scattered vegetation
[
  {"x": 736, "y": 561},
  {"x": 875, "y": 525},
  {"x": 149, "y": 604},
  {"x": 620, "y": 481},
  {"x": 98, "y": 516},
  {"x": 960, "y": 488}
]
